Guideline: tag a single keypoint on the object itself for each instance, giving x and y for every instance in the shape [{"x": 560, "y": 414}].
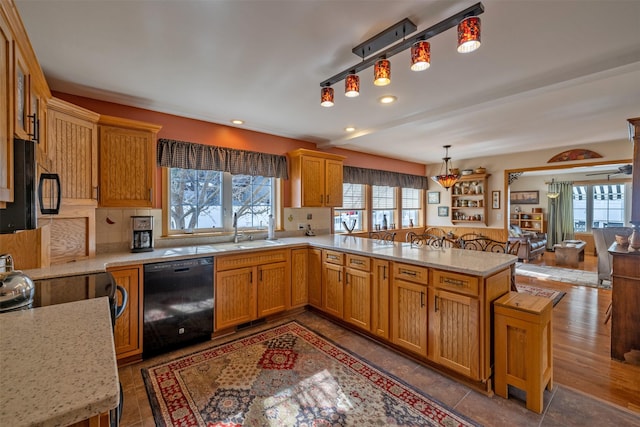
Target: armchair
[
  {"x": 531, "y": 244},
  {"x": 603, "y": 238}
]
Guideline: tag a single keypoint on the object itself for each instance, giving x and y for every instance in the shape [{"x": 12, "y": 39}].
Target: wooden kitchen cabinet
[
  {"x": 380, "y": 298},
  {"x": 299, "y": 275},
  {"x": 409, "y": 307},
  {"x": 316, "y": 179},
  {"x": 250, "y": 286},
  {"x": 235, "y": 301},
  {"x": 357, "y": 291},
  {"x": 128, "y": 328},
  {"x": 314, "y": 277},
  {"x": 6, "y": 111},
  {"x": 73, "y": 137},
  {"x": 126, "y": 162},
  {"x": 333, "y": 289}
]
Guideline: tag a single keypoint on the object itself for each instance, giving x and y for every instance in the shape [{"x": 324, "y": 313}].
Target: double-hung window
[
  {"x": 599, "y": 206},
  {"x": 352, "y": 211},
  {"x": 411, "y": 206},
  {"x": 383, "y": 204}
]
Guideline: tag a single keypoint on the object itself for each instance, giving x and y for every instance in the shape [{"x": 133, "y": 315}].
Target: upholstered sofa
[
  {"x": 531, "y": 244},
  {"x": 603, "y": 238}
]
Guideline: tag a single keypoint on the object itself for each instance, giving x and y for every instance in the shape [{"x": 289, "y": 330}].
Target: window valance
[
  {"x": 188, "y": 155},
  {"x": 356, "y": 175}
]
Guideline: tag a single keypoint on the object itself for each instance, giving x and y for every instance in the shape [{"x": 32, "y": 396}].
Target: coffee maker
[{"x": 142, "y": 233}]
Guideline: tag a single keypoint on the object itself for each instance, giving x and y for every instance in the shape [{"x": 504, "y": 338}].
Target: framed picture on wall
[
  {"x": 443, "y": 210},
  {"x": 433, "y": 197},
  {"x": 495, "y": 199},
  {"x": 524, "y": 197}
]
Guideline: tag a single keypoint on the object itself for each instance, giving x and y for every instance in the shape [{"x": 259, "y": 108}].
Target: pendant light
[
  {"x": 420, "y": 56},
  {"x": 469, "y": 34},
  {"x": 446, "y": 179},
  {"x": 382, "y": 72},
  {"x": 352, "y": 86},
  {"x": 326, "y": 97}
]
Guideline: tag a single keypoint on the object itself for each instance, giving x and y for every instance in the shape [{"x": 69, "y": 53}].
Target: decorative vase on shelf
[
  {"x": 384, "y": 222},
  {"x": 634, "y": 239}
]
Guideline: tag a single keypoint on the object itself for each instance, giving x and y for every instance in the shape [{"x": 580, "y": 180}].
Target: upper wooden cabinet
[
  {"x": 316, "y": 179},
  {"x": 6, "y": 120},
  {"x": 127, "y": 162},
  {"x": 73, "y": 137}
]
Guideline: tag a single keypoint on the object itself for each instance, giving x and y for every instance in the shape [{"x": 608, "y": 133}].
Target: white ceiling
[{"x": 548, "y": 74}]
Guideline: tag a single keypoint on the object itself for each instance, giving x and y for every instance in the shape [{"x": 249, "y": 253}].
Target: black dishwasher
[{"x": 178, "y": 304}]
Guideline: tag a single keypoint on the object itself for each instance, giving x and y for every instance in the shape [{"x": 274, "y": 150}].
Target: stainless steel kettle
[{"x": 16, "y": 288}]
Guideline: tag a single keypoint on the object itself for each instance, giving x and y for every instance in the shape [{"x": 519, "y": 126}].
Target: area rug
[
  {"x": 556, "y": 296},
  {"x": 565, "y": 275},
  {"x": 286, "y": 376}
]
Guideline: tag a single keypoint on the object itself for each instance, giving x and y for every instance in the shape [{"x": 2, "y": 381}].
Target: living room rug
[
  {"x": 286, "y": 376},
  {"x": 565, "y": 275},
  {"x": 556, "y": 296}
]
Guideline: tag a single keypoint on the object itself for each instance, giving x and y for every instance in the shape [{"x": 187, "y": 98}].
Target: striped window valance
[
  {"x": 355, "y": 175},
  {"x": 188, "y": 155}
]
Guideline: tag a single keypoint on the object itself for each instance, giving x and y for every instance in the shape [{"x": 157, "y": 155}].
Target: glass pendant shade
[
  {"x": 382, "y": 73},
  {"x": 469, "y": 34},
  {"x": 326, "y": 97},
  {"x": 352, "y": 86},
  {"x": 420, "y": 56},
  {"x": 446, "y": 179}
]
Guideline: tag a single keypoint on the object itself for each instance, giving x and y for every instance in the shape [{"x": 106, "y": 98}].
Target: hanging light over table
[
  {"x": 326, "y": 97},
  {"x": 446, "y": 179},
  {"x": 469, "y": 34},
  {"x": 382, "y": 72},
  {"x": 420, "y": 56},
  {"x": 352, "y": 86}
]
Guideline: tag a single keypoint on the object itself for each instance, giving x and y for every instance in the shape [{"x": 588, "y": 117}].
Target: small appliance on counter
[
  {"x": 16, "y": 288},
  {"x": 142, "y": 234}
]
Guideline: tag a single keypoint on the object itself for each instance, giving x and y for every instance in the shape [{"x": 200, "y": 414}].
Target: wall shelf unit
[
  {"x": 528, "y": 221},
  {"x": 469, "y": 199}
]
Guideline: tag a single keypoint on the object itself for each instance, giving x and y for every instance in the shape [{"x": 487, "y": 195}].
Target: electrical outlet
[{"x": 301, "y": 227}]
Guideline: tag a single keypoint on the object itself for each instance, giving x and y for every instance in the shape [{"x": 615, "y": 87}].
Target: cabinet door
[
  {"x": 454, "y": 328},
  {"x": 75, "y": 144},
  {"x": 127, "y": 335},
  {"x": 333, "y": 183},
  {"x": 235, "y": 292},
  {"x": 126, "y": 167},
  {"x": 21, "y": 95},
  {"x": 6, "y": 112},
  {"x": 314, "y": 277},
  {"x": 313, "y": 181},
  {"x": 357, "y": 298},
  {"x": 409, "y": 316},
  {"x": 299, "y": 273},
  {"x": 380, "y": 298},
  {"x": 332, "y": 289},
  {"x": 273, "y": 288}
]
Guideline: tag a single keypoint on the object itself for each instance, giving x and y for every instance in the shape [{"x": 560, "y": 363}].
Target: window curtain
[
  {"x": 188, "y": 155},
  {"x": 353, "y": 175},
  {"x": 560, "y": 210}
]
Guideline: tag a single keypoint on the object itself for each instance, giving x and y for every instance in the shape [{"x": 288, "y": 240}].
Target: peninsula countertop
[
  {"x": 458, "y": 260},
  {"x": 58, "y": 364}
]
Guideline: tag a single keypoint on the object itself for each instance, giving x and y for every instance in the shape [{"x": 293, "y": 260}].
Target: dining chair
[{"x": 385, "y": 236}]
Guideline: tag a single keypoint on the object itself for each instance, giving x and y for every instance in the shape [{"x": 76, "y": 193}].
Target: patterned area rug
[
  {"x": 556, "y": 296},
  {"x": 557, "y": 274},
  {"x": 286, "y": 376}
]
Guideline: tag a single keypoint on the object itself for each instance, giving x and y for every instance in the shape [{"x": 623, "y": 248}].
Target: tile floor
[{"x": 563, "y": 407}]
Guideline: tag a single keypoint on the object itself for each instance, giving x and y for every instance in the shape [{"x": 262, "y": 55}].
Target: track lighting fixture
[{"x": 376, "y": 51}]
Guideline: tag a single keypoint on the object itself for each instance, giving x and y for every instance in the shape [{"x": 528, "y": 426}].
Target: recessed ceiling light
[
  {"x": 237, "y": 122},
  {"x": 387, "y": 99},
  {"x": 349, "y": 129}
]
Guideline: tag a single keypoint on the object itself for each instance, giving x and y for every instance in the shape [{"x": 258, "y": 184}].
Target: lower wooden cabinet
[
  {"x": 128, "y": 328},
  {"x": 314, "y": 277},
  {"x": 409, "y": 316},
  {"x": 357, "y": 291},
  {"x": 380, "y": 291},
  {"x": 454, "y": 331},
  {"x": 251, "y": 286},
  {"x": 333, "y": 289},
  {"x": 299, "y": 275}
]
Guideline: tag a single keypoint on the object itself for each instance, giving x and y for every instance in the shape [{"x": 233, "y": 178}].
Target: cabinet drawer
[
  {"x": 229, "y": 262},
  {"x": 411, "y": 273},
  {"x": 455, "y": 282},
  {"x": 359, "y": 262},
  {"x": 333, "y": 257}
]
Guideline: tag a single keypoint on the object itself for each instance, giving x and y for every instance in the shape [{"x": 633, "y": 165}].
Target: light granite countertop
[
  {"x": 462, "y": 261},
  {"x": 58, "y": 364}
]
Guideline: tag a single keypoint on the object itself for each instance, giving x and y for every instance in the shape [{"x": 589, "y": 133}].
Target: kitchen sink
[{"x": 247, "y": 244}]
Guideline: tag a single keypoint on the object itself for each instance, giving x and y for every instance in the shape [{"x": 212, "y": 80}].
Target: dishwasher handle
[{"x": 125, "y": 298}]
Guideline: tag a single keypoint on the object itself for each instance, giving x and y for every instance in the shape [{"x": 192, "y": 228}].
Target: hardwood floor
[{"x": 582, "y": 342}]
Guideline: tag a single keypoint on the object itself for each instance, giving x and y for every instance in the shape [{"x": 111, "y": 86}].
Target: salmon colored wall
[{"x": 198, "y": 131}]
